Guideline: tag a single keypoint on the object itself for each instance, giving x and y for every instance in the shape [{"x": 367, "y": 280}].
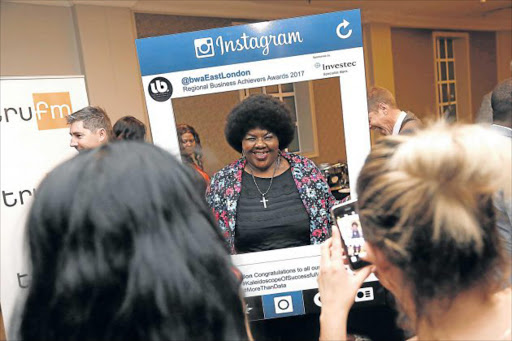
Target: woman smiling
[{"x": 268, "y": 199}]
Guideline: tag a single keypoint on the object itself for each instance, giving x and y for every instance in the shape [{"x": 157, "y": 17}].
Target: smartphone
[{"x": 348, "y": 223}]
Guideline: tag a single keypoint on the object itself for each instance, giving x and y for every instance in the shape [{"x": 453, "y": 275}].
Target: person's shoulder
[
  {"x": 298, "y": 160},
  {"x": 293, "y": 158},
  {"x": 230, "y": 169},
  {"x": 410, "y": 116},
  {"x": 411, "y": 124},
  {"x": 220, "y": 180}
]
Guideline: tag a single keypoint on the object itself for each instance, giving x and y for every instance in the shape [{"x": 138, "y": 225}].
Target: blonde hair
[
  {"x": 427, "y": 202},
  {"x": 378, "y": 95}
]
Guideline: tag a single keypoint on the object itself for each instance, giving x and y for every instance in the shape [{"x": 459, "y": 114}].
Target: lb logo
[{"x": 160, "y": 89}]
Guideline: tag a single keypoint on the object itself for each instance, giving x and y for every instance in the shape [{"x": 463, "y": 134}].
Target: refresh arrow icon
[{"x": 343, "y": 26}]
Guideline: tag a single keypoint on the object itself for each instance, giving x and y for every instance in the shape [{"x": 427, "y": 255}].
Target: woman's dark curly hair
[{"x": 259, "y": 111}]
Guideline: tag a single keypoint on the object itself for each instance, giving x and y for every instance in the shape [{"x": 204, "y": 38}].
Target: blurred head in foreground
[
  {"x": 501, "y": 101},
  {"x": 123, "y": 247},
  {"x": 426, "y": 208}
]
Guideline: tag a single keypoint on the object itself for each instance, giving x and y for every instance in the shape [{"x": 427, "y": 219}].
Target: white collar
[
  {"x": 398, "y": 123},
  {"x": 505, "y": 131}
]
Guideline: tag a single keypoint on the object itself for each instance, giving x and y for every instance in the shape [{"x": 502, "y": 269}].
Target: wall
[
  {"x": 329, "y": 121},
  {"x": 482, "y": 54},
  {"x": 37, "y": 40},
  {"x": 414, "y": 71},
  {"x": 151, "y": 25},
  {"x": 107, "y": 49},
  {"x": 504, "y": 54},
  {"x": 95, "y": 41},
  {"x": 207, "y": 114},
  {"x": 378, "y": 53}
]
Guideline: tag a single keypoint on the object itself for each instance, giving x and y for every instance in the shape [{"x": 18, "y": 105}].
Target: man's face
[
  {"x": 379, "y": 120},
  {"x": 82, "y": 138}
]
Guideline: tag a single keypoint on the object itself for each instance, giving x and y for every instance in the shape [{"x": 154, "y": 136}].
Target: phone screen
[{"x": 349, "y": 225}]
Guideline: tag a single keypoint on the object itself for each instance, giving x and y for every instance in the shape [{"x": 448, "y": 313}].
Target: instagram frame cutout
[{"x": 256, "y": 55}]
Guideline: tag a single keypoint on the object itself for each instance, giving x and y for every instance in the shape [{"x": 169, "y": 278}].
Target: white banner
[{"x": 34, "y": 139}]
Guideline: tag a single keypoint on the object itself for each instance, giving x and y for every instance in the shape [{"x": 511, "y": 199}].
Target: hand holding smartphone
[
  {"x": 352, "y": 239},
  {"x": 338, "y": 287}
]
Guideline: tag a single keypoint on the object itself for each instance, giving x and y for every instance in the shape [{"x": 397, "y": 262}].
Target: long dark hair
[
  {"x": 198, "y": 152},
  {"x": 124, "y": 247}
]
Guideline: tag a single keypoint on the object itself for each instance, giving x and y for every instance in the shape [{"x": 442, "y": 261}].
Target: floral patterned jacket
[{"x": 226, "y": 185}]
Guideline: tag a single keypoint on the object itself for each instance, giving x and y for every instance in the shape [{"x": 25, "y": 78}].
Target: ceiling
[{"x": 450, "y": 14}]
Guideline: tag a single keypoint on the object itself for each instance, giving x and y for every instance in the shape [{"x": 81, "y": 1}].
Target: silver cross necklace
[{"x": 263, "y": 199}]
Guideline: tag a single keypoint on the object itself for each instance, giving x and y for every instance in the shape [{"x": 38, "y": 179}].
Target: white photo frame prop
[{"x": 256, "y": 55}]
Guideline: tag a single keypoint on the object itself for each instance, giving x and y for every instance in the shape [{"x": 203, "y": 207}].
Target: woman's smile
[
  {"x": 261, "y": 156},
  {"x": 261, "y": 148}
]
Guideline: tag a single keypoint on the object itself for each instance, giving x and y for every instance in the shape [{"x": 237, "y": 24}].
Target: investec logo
[
  {"x": 50, "y": 110},
  {"x": 206, "y": 47}
]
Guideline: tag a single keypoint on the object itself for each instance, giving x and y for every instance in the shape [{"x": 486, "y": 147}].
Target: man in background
[
  {"x": 89, "y": 128},
  {"x": 385, "y": 116},
  {"x": 501, "y": 102},
  {"x": 484, "y": 114}
]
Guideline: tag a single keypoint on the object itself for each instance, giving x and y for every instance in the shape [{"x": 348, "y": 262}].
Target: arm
[
  {"x": 211, "y": 193},
  {"x": 330, "y": 201},
  {"x": 216, "y": 199},
  {"x": 337, "y": 289}
]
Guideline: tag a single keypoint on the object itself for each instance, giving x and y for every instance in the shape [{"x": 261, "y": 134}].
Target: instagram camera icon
[{"x": 204, "y": 47}]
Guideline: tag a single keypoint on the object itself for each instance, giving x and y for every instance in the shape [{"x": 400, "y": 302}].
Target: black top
[{"x": 284, "y": 223}]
